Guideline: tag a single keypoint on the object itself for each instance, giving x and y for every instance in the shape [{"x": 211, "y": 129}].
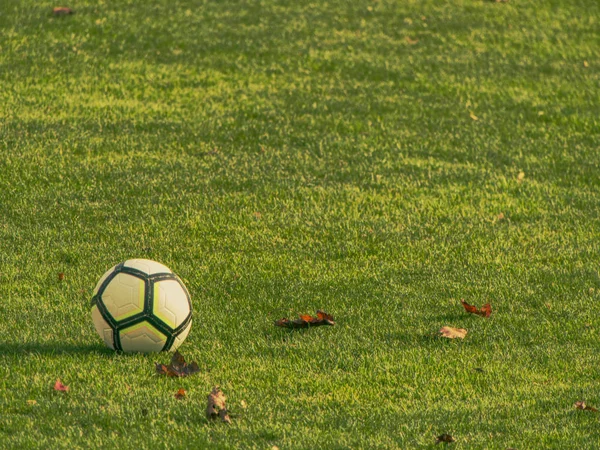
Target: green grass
[{"x": 160, "y": 129}]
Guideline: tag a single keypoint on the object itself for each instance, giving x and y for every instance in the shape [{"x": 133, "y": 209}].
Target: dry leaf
[
  {"x": 61, "y": 276},
  {"x": 453, "y": 333},
  {"x": 58, "y": 386},
  {"x": 178, "y": 367},
  {"x": 586, "y": 64},
  {"x": 180, "y": 394},
  {"x": 500, "y": 217},
  {"x": 521, "y": 177},
  {"x": 473, "y": 116},
  {"x": 243, "y": 404},
  {"x": 216, "y": 406},
  {"x": 581, "y": 405},
  {"x": 306, "y": 321},
  {"x": 444, "y": 438},
  {"x": 31, "y": 402},
  {"x": 484, "y": 311},
  {"x": 62, "y": 11},
  {"x": 411, "y": 41}
]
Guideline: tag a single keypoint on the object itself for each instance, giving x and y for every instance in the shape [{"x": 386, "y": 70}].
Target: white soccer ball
[{"x": 141, "y": 306}]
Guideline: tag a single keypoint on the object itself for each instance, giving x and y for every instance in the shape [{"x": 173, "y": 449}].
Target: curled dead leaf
[
  {"x": 411, "y": 41},
  {"x": 484, "y": 311},
  {"x": 61, "y": 276},
  {"x": 444, "y": 438},
  {"x": 216, "y": 406},
  {"x": 453, "y": 333},
  {"x": 180, "y": 394},
  {"x": 178, "y": 367},
  {"x": 473, "y": 116},
  {"x": 581, "y": 405}
]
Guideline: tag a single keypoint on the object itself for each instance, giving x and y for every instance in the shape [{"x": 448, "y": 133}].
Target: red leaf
[
  {"x": 484, "y": 311},
  {"x": 58, "y": 386}
]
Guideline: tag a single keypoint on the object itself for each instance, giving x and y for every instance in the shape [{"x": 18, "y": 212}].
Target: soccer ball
[{"x": 141, "y": 306}]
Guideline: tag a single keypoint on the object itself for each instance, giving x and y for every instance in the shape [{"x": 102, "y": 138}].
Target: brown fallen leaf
[
  {"x": 586, "y": 64},
  {"x": 180, "y": 394},
  {"x": 216, "y": 406},
  {"x": 444, "y": 438},
  {"x": 411, "y": 41},
  {"x": 453, "y": 333},
  {"x": 484, "y": 311},
  {"x": 581, "y": 405},
  {"x": 178, "y": 367},
  {"x": 306, "y": 321},
  {"x": 58, "y": 386},
  {"x": 62, "y": 11},
  {"x": 61, "y": 276}
]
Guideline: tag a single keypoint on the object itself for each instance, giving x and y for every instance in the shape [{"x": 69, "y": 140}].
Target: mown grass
[{"x": 287, "y": 156}]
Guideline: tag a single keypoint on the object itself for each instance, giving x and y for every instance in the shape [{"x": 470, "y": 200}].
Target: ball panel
[
  {"x": 170, "y": 302},
  {"x": 102, "y": 327},
  {"x": 147, "y": 266},
  {"x": 181, "y": 337},
  {"x": 124, "y": 296},
  {"x": 104, "y": 277},
  {"x": 143, "y": 338}
]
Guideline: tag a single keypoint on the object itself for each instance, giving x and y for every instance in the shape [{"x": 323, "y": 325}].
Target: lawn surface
[{"x": 281, "y": 157}]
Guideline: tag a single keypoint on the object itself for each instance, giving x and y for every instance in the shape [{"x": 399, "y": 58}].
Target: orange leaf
[
  {"x": 453, "y": 333},
  {"x": 180, "y": 394},
  {"x": 322, "y": 315},
  {"x": 62, "y": 11},
  {"x": 485, "y": 311},
  {"x": 58, "y": 386},
  {"x": 306, "y": 320}
]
